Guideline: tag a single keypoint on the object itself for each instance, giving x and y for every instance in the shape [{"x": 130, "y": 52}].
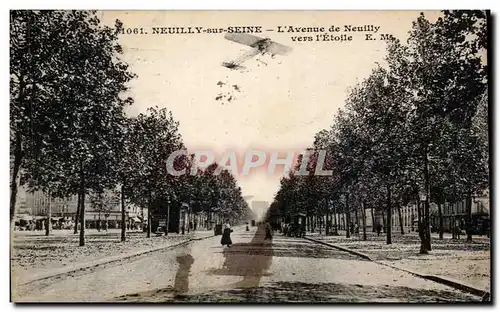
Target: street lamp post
[
  {"x": 151, "y": 201},
  {"x": 189, "y": 216}
]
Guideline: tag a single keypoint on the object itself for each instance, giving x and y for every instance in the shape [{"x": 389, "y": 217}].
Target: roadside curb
[
  {"x": 457, "y": 285},
  {"x": 341, "y": 248},
  {"x": 110, "y": 260}
]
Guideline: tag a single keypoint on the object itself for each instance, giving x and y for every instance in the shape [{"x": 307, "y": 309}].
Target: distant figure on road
[
  {"x": 226, "y": 235},
  {"x": 458, "y": 231},
  {"x": 269, "y": 231}
]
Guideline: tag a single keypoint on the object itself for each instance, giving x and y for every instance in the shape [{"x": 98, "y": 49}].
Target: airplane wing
[
  {"x": 277, "y": 48},
  {"x": 245, "y": 39}
]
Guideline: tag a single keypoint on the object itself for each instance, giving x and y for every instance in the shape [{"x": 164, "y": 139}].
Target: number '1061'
[{"x": 132, "y": 31}]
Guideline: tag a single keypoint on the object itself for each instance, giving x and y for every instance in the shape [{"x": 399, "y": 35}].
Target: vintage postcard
[{"x": 249, "y": 156}]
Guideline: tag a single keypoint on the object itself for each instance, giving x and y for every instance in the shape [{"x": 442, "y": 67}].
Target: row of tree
[
  {"x": 414, "y": 131},
  {"x": 70, "y": 134}
]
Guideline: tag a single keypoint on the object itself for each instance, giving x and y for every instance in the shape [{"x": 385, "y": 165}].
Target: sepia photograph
[{"x": 210, "y": 156}]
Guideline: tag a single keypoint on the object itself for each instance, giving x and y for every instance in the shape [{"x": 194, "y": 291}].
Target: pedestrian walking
[
  {"x": 458, "y": 230},
  {"x": 226, "y": 235},
  {"x": 269, "y": 231}
]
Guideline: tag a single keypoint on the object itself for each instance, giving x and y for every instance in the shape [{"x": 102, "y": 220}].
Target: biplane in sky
[{"x": 259, "y": 46}]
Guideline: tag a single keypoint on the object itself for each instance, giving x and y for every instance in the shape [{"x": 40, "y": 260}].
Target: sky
[{"x": 282, "y": 101}]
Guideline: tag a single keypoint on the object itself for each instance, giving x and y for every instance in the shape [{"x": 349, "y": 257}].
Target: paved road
[{"x": 252, "y": 270}]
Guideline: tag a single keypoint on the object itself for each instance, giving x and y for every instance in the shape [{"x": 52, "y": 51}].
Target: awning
[
  {"x": 25, "y": 218},
  {"x": 136, "y": 219}
]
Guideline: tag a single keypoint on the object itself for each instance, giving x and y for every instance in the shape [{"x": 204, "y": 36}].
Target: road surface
[{"x": 251, "y": 270}]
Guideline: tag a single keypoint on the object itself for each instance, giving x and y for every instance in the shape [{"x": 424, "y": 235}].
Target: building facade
[{"x": 37, "y": 204}]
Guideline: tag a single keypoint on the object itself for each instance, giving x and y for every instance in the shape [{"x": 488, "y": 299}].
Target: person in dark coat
[
  {"x": 269, "y": 231},
  {"x": 226, "y": 236}
]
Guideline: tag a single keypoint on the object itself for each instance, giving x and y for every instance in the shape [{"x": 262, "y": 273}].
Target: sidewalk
[
  {"x": 36, "y": 257},
  {"x": 456, "y": 261}
]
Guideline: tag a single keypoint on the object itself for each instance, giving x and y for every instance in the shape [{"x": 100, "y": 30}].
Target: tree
[
  {"x": 447, "y": 76},
  {"x": 412, "y": 130},
  {"x": 66, "y": 86},
  {"x": 154, "y": 137},
  {"x": 124, "y": 164}
]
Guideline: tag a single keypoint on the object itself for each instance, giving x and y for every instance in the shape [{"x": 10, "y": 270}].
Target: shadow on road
[
  {"x": 181, "y": 282},
  {"x": 250, "y": 260}
]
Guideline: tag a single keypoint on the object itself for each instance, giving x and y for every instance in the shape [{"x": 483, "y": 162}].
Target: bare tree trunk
[
  {"x": 384, "y": 223},
  {"x": 189, "y": 218},
  {"x": 373, "y": 219},
  {"x": 167, "y": 227},
  {"x": 124, "y": 227},
  {"x": 453, "y": 222},
  {"x": 426, "y": 224},
  {"x": 99, "y": 222},
  {"x": 148, "y": 232},
  {"x": 82, "y": 207},
  {"x": 423, "y": 249},
  {"x": 18, "y": 154},
  {"x": 335, "y": 223},
  {"x": 357, "y": 219},
  {"x": 389, "y": 215},
  {"x": 468, "y": 206},
  {"x": 15, "y": 173},
  {"x": 440, "y": 215},
  {"x": 419, "y": 216},
  {"x": 400, "y": 217},
  {"x": 363, "y": 213},
  {"x": 327, "y": 225},
  {"x": 318, "y": 222},
  {"x": 77, "y": 215},
  {"x": 347, "y": 216},
  {"x": 426, "y": 237},
  {"x": 48, "y": 226}
]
